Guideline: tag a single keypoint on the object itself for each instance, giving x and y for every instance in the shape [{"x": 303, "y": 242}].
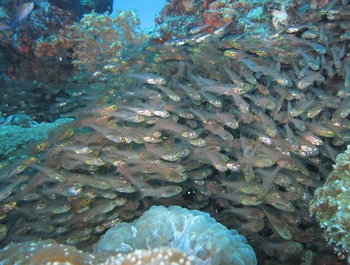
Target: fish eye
[
  {"x": 95, "y": 153},
  {"x": 20, "y": 167},
  {"x": 40, "y": 205},
  {"x": 62, "y": 178}
]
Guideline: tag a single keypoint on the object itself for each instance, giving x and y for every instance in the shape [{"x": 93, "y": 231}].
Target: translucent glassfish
[
  {"x": 280, "y": 78},
  {"x": 290, "y": 247},
  {"x": 161, "y": 192},
  {"x": 148, "y": 78},
  {"x": 100, "y": 207},
  {"x": 171, "y": 94},
  {"x": 277, "y": 225},
  {"x": 51, "y": 173},
  {"x": 274, "y": 199},
  {"x": 108, "y": 133},
  {"x": 320, "y": 129},
  {"x": 248, "y": 213},
  {"x": 18, "y": 167},
  {"x": 249, "y": 200},
  {"x": 268, "y": 125},
  {"x": 87, "y": 159},
  {"x": 243, "y": 186},
  {"x": 3, "y": 231},
  {"x": 127, "y": 116}
]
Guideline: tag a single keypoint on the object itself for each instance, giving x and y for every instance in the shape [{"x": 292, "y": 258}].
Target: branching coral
[
  {"x": 331, "y": 206},
  {"x": 193, "y": 232}
]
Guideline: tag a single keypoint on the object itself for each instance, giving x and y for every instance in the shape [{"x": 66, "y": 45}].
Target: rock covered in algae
[
  {"x": 18, "y": 132},
  {"x": 50, "y": 252},
  {"x": 331, "y": 206},
  {"x": 191, "y": 231}
]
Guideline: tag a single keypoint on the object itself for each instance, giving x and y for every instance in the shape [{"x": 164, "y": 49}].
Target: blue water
[{"x": 146, "y": 9}]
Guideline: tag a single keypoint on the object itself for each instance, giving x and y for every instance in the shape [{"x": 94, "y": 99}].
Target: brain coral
[
  {"x": 191, "y": 231},
  {"x": 331, "y": 207}
]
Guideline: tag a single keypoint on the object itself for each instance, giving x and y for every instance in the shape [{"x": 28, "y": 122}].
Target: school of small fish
[{"x": 243, "y": 126}]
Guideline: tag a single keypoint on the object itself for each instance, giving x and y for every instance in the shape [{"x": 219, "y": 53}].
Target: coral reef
[
  {"x": 330, "y": 205},
  {"x": 18, "y": 44},
  {"x": 48, "y": 252},
  {"x": 193, "y": 232},
  {"x": 178, "y": 17},
  {"x": 14, "y": 137},
  {"x": 81, "y": 7},
  {"x": 40, "y": 101},
  {"x": 242, "y": 126},
  {"x": 49, "y": 58},
  {"x": 42, "y": 48},
  {"x": 94, "y": 37}
]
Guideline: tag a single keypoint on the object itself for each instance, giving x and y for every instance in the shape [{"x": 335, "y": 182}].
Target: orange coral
[
  {"x": 95, "y": 37},
  {"x": 55, "y": 46}
]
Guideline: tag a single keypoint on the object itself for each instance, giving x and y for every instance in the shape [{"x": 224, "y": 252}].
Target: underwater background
[{"x": 217, "y": 134}]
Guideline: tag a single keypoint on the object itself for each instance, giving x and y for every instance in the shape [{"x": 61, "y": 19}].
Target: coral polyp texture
[
  {"x": 330, "y": 205},
  {"x": 191, "y": 231},
  {"x": 48, "y": 252}
]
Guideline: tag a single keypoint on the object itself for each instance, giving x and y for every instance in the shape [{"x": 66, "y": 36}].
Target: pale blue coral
[
  {"x": 191, "y": 231},
  {"x": 13, "y": 137}
]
